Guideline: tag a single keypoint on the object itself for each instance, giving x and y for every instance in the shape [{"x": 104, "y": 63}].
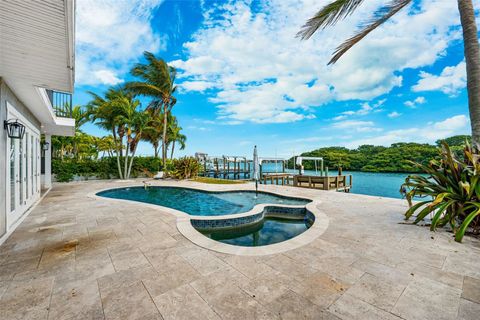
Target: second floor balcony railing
[{"x": 61, "y": 103}]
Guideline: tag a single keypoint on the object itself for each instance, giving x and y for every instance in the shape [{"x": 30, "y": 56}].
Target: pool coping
[{"x": 185, "y": 227}]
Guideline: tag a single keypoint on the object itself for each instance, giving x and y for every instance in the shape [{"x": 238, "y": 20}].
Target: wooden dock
[
  {"x": 277, "y": 178},
  {"x": 338, "y": 183},
  {"x": 226, "y": 167}
]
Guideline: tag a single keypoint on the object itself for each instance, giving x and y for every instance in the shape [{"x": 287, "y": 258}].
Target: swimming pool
[
  {"x": 198, "y": 202},
  {"x": 268, "y": 231}
]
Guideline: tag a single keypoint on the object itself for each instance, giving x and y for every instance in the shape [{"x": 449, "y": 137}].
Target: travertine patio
[{"x": 77, "y": 257}]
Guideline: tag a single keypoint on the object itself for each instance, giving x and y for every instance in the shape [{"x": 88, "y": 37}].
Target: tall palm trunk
[
  {"x": 164, "y": 137},
  {"x": 155, "y": 147},
  {"x": 131, "y": 161},
  {"x": 173, "y": 149},
  {"x": 118, "y": 153},
  {"x": 472, "y": 58},
  {"x": 125, "y": 165}
]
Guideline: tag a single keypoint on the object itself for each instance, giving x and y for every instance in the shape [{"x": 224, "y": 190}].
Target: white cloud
[
  {"x": 356, "y": 125},
  {"x": 427, "y": 134},
  {"x": 110, "y": 36},
  {"x": 264, "y": 74},
  {"x": 197, "y": 128},
  {"x": 450, "y": 81},
  {"x": 199, "y": 86},
  {"x": 107, "y": 77},
  {"x": 394, "y": 114},
  {"x": 414, "y": 103},
  {"x": 365, "y": 108}
]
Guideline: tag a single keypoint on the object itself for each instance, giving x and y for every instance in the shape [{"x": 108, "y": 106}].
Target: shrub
[
  {"x": 453, "y": 187},
  {"x": 103, "y": 168},
  {"x": 185, "y": 168}
]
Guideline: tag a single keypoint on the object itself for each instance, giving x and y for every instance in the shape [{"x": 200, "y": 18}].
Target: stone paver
[
  {"x": 184, "y": 303},
  {"x": 471, "y": 289},
  {"x": 377, "y": 291},
  {"x": 78, "y": 257},
  {"x": 349, "y": 307},
  {"x": 427, "y": 299}
]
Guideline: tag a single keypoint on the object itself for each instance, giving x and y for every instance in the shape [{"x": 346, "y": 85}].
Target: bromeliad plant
[
  {"x": 453, "y": 187},
  {"x": 185, "y": 168}
]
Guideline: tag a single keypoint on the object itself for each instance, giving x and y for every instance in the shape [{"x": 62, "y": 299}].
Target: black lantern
[
  {"x": 15, "y": 129},
  {"x": 45, "y": 146}
]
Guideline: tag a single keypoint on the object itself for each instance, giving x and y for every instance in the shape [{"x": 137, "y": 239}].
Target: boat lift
[
  {"x": 323, "y": 181},
  {"x": 224, "y": 166},
  {"x": 299, "y": 161},
  {"x": 275, "y": 177}
]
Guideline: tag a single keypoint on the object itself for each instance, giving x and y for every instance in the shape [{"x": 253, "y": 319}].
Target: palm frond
[
  {"x": 327, "y": 16},
  {"x": 379, "y": 17}
]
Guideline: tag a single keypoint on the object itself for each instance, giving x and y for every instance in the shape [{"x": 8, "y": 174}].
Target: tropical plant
[
  {"x": 103, "y": 168},
  {"x": 153, "y": 134},
  {"x": 68, "y": 146},
  {"x": 157, "y": 82},
  {"x": 340, "y": 9},
  {"x": 452, "y": 189},
  {"x": 105, "y": 145},
  {"x": 185, "y": 168},
  {"x": 175, "y": 136},
  {"x": 81, "y": 116},
  {"x": 119, "y": 112},
  {"x": 103, "y": 113}
]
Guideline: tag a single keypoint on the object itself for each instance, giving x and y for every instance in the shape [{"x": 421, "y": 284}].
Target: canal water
[{"x": 369, "y": 183}]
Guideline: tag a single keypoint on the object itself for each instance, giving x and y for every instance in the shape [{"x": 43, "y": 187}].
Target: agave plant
[{"x": 453, "y": 189}]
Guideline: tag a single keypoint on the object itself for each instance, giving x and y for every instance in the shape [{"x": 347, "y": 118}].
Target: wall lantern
[
  {"x": 15, "y": 129},
  {"x": 45, "y": 146}
]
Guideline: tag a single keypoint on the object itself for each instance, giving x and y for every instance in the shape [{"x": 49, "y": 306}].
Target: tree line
[{"x": 396, "y": 158}]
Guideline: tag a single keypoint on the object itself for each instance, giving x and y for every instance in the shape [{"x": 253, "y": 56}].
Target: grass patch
[{"x": 217, "y": 181}]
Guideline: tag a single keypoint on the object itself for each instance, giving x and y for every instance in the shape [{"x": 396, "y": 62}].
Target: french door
[{"x": 23, "y": 175}]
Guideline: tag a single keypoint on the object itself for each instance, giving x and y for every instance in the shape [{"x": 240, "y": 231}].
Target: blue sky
[{"x": 244, "y": 78}]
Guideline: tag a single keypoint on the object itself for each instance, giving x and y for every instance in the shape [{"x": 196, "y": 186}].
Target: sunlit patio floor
[{"x": 77, "y": 257}]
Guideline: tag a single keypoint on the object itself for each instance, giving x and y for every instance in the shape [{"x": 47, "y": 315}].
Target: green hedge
[{"x": 104, "y": 168}]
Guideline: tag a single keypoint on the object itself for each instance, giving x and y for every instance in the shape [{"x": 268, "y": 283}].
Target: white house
[{"x": 37, "y": 63}]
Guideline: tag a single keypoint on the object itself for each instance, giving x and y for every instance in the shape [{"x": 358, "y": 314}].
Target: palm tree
[
  {"x": 106, "y": 145},
  {"x": 81, "y": 116},
  {"x": 175, "y": 135},
  {"x": 157, "y": 82},
  {"x": 153, "y": 134},
  {"x": 110, "y": 113},
  {"x": 138, "y": 123},
  {"x": 340, "y": 9}
]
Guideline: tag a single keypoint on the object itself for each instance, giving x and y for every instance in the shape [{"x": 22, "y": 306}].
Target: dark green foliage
[
  {"x": 185, "y": 168},
  {"x": 452, "y": 190},
  {"x": 455, "y": 141},
  {"x": 103, "y": 168},
  {"x": 396, "y": 158}
]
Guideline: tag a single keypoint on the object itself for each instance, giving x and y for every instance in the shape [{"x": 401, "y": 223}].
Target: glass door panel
[
  {"x": 21, "y": 170},
  {"x": 13, "y": 174},
  {"x": 32, "y": 166},
  {"x": 27, "y": 165}
]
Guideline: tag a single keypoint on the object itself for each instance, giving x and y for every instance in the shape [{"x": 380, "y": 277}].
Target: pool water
[
  {"x": 200, "y": 203},
  {"x": 269, "y": 231}
]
